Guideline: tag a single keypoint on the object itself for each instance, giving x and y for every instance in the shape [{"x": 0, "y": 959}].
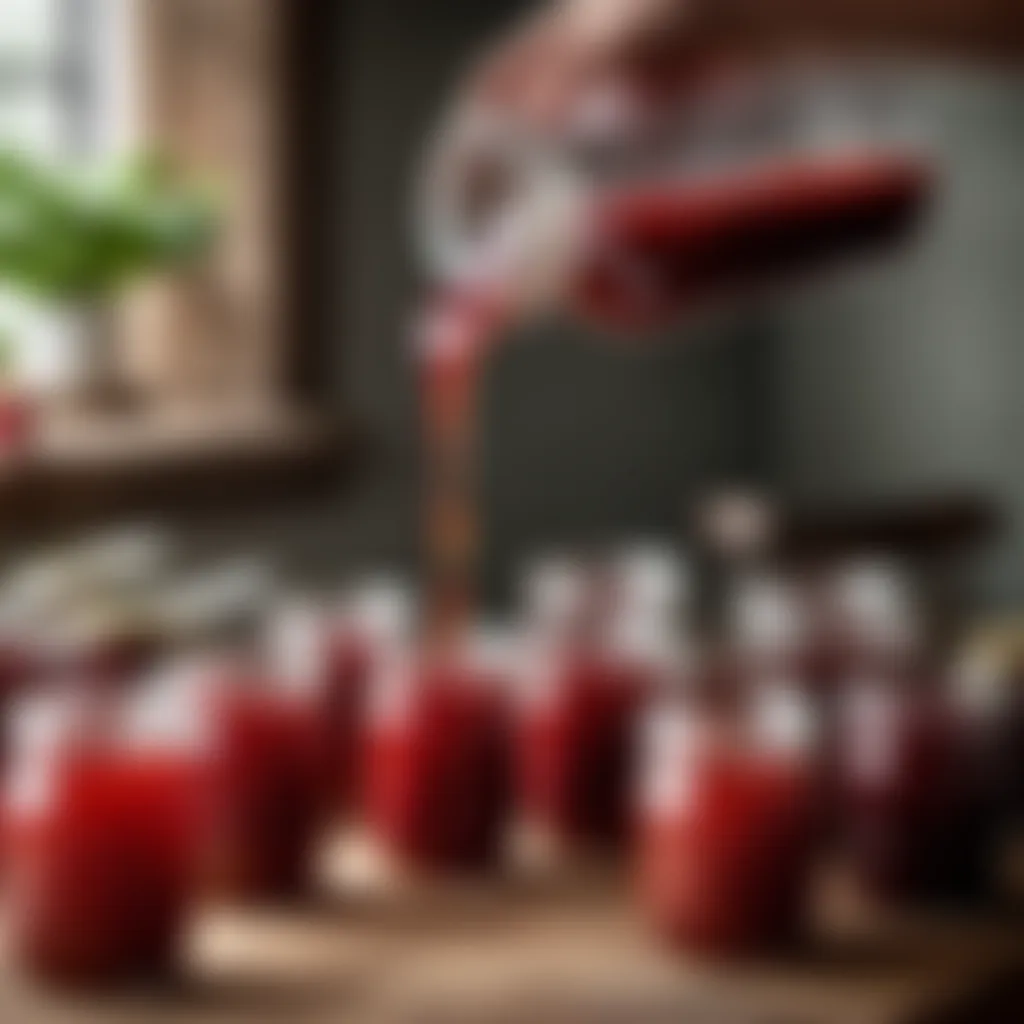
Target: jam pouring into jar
[{"x": 638, "y": 207}]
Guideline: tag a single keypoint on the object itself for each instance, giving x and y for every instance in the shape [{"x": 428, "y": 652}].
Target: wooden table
[{"x": 567, "y": 951}]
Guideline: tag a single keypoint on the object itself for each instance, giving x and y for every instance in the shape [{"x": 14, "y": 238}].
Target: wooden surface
[
  {"x": 539, "y": 952},
  {"x": 81, "y": 473}
]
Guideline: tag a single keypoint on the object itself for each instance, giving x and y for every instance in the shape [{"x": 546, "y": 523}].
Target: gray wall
[
  {"x": 910, "y": 378},
  {"x": 582, "y": 439},
  {"x": 905, "y": 378}
]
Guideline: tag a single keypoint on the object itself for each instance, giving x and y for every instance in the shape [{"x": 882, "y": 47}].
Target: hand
[{"x": 537, "y": 73}]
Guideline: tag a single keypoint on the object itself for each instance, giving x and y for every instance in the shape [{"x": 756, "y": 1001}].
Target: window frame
[{"x": 303, "y": 441}]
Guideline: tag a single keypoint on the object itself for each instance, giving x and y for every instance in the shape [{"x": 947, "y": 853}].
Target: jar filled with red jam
[
  {"x": 775, "y": 635},
  {"x": 912, "y": 803},
  {"x": 574, "y": 750},
  {"x": 267, "y": 784},
  {"x": 105, "y": 817},
  {"x": 437, "y": 770},
  {"x": 988, "y": 727},
  {"x": 903, "y": 777},
  {"x": 726, "y": 815},
  {"x": 578, "y": 697}
]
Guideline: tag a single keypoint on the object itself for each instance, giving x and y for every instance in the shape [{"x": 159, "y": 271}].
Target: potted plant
[{"x": 72, "y": 242}]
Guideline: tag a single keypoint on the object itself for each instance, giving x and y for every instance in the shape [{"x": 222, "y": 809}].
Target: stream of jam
[{"x": 651, "y": 252}]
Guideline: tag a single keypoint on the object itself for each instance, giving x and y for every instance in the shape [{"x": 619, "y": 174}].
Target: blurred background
[
  {"x": 208, "y": 284},
  {"x": 895, "y": 384}
]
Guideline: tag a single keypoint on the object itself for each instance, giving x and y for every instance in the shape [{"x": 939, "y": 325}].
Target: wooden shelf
[{"x": 84, "y": 469}]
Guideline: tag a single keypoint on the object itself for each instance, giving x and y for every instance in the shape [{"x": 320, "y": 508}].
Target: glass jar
[
  {"x": 727, "y": 824},
  {"x": 436, "y": 793},
  {"x": 640, "y": 204},
  {"x": 105, "y": 818}
]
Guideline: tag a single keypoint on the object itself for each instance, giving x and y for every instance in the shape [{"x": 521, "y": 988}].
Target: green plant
[{"x": 81, "y": 238}]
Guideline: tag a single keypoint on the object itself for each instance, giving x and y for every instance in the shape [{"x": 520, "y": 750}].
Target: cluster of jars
[{"x": 720, "y": 771}]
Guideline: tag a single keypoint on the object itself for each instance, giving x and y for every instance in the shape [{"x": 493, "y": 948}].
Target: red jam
[
  {"x": 575, "y": 752},
  {"x": 656, "y": 249},
  {"x": 267, "y": 790},
  {"x": 437, "y": 767},
  {"x": 726, "y": 834},
  {"x": 102, "y": 866}
]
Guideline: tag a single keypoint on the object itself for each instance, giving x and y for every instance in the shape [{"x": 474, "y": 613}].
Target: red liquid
[
  {"x": 454, "y": 334},
  {"x": 651, "y": 252},
  {"x": 437, "y": 771},
  {"x": 724, "y": 853},
  {"x": 267, "y": 791},
  {"x": 103, "y": 872},
  {"x": 658, "y": 249},
  {"x": 575, "y": 753}
]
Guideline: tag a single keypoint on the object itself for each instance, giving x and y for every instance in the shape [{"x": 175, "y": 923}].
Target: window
[
  {"x": 65, "y": 97},
  {"x": 224, "y": 393}
]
